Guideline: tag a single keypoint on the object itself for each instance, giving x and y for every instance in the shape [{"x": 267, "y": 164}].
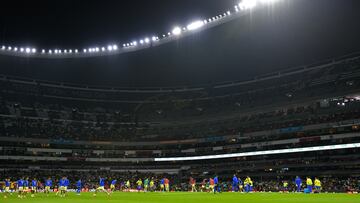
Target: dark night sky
[
  {"x": 62, "y": 23},
  {"x": 293, "y": 33}
]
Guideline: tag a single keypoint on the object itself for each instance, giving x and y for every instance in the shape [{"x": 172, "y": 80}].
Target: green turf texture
[{"x": 181, "y": 197}]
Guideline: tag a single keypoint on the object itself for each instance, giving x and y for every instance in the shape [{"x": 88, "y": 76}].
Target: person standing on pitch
[
  {"x": 235, "y": 183},
  {"x": 298, "y": 183}
]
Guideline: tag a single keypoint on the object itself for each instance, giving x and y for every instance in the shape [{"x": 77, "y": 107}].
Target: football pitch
[{"x": 183, "y": 197}]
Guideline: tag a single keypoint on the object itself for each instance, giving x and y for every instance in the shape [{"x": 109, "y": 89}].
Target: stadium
[{"x": 180, "y": 101}]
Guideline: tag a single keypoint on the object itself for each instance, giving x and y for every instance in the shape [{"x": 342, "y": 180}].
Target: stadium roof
[{"x": 292, "y": 33}]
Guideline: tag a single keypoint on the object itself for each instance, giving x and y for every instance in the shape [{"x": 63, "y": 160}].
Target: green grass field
[{"x": 189, "y": 198}]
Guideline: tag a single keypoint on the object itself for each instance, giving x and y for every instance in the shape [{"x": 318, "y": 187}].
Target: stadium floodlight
[
  {"x": 176, "y": 31},
  {"x": 247, "y": 4},
  {"x": 154, "y": 38},
  {"x": 43, "y": 51},
  {"x": 97, "y": 49},
  {"x": 21, "y": 49},
  {"x": 141, "y": 41},
  {"x": 15, "y": 49},
  {"x": 103, "y": 49},
  {"x": 76, "y": 51},
  {"x": 84, "y": 50},
  {"x": 65, "y": 51},
  {"x": 50, "y": 51},
  {"x": 9, "y": 48},
  {"x": 110, "y": 48},
  {"x": 27, "y": 50},
  {"x": 70, "y": 51},
  {"x": 33, "y": 50},
  {"x": 134, "y": 43},
  {"x": 60, "y": 51},
  {"x": 115, "y": 47},
  {"x": 3, "y": 47},
  {"x": 195, "y": 25},
  {"x": 147, "y": 40},
  {"x": 228, "y": 13}
]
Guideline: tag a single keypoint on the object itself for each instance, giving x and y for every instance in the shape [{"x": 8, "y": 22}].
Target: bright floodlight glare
[
  {"x": 176, "y": 31},
  {"x": 154, "y": 38},
  {"x": 15, "y": 49},
  {"x": 195, "y": 25},
  {"x": 27, "y": 50},
  {"x": 141, "y": 41},
  {"x": 268, "y": 1},
  {"x": 3, "y": 47},
  {"x": 76, "y": 51},
  {"x": 43, "y": 51},
  {"x": 110, "y": 48},
  {"x": 147, "y": 40},
  {"x": 102, "y": 48},
  {"x": 84, "y": 50},
  {"x": 33, "y": 50},
  {"x": 50, "y": 51},
  {"x": 97, "y": 49},
  {"x": 247, "y": 4},
  {"x": 115, "y": 47},
  {"x": 9, "y": 48},
  {"x": 134, "y": 43}
]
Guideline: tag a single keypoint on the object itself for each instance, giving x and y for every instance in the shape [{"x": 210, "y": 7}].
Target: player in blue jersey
[
  {"x": 101, "y": 187},
  {"x": 26, "y": 187},
  {"x": 33, "y": 187},
  {"x": 78, "y": 187},
  {"x": 298, "y": 183},
  {"x": 162, "y": 185},
  {"x": 63, "y": 182},
  {"x": 7, "y": 188},
  {"x": 216, "y": 185},
  {"x": 20, "y": 187},
  {"x": 48, "y": 185},
  {"x": 235, "y": 184},
  {"x": 113, "y": 185}
]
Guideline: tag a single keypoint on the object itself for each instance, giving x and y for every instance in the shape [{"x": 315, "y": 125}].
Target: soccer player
[
  {"x": 235, "y": 183},
  {"x": 285, "y": 186},
  {"x": 241, "y": 187},
  {"x": 33, "y": 187},
  {"x": 216, "y": 185},
  {"x": 127, "y": 185},
  {"x": 139, "y": 185},
  {"x": 20, "y": 186},
  {"x": 251, "y": 183},
  {"x": 152, "y": 185},
  {"x": 317, "y": 184},
  {"x": 26, "y": 187},
  {"x": 167, "y": 184},
  {"x": 146, "y": 184},
  {"x": 62, "y": 187},
  {"x": 101, "y": 187},
  {"x": 298, "y": 183},
  {"x": 112, "y": 185},
  {"x": 48, "y": 185},
  {"x": 78, "y": 187},
  {"x": 211, "y": 185},
  {"x": 7, "y": 188},
  {"x": 162, "y": 181},
  {"x": 192, "y": 183},
  {"x": 309, "y": 184}
]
